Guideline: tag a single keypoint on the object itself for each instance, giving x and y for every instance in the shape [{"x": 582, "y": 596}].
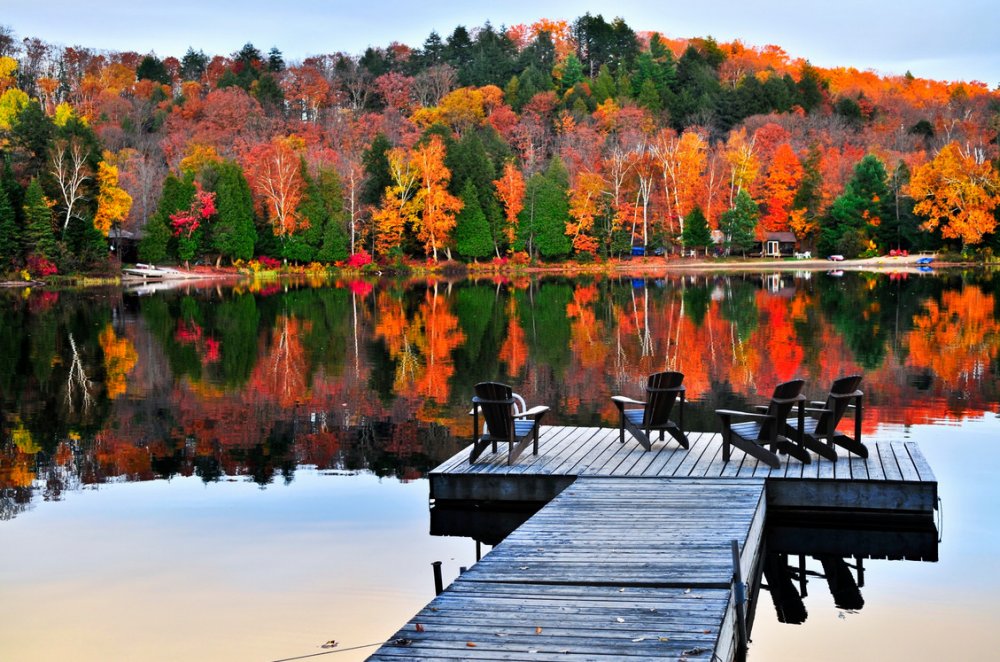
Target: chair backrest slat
[
  {"x": 786, "y": 393},
  {"x": 661, "y": 393},
  {"x": 837, "y": 407},
  {"x": 496, "y": 401}
]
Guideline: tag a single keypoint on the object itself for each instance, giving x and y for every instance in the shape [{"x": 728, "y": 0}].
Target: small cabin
[{"x": 779, "y": 244}]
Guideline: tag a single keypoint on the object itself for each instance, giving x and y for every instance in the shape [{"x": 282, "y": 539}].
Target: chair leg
[
  {"x": 725, "y": 445},
  {"x": 852, "y": 445},
  {"x": 679, "y": 435}
]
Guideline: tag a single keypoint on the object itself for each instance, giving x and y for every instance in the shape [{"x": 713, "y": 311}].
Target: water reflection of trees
[{"x": 230, "y": 382}]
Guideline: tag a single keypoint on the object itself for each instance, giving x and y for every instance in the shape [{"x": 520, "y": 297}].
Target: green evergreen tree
[
  {"x": 856, "y": 216},
  {"x": 649, "y": 98},
  {"x": 10, "y": 244},
  {"x": 376, "y": 164},
  {"x": 542, "y": 226},
  {"x": 696, "y": 232},
  {"x": 604, "y": 85},
  {"x": 152, "y": 68},
  {"x": 472, "y": 232},
  {"x": 475, "y": 158},
  {"x": 193, "y": 64},
  {"x": 301, "y": 246},
  {"x": 739, "y": 224},
  {"x": 234, "y": 234},
  {"x": 572, "y": 72},
  {"x": 155, "y": 245},
  {"x": 38, "y": 235},
  {"x": 809, "y": 195},
  {"x": 334, "y": 246}
]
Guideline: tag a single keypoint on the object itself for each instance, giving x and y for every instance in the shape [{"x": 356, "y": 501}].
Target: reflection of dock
[{"x": 632, "y": 555}]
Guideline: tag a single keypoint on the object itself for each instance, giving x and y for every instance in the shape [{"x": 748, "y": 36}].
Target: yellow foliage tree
[
  {"x": 398, "y": 206},
  {"x": 113, "y": 203},
  {"x": 8, "y": 67},
  {"x": 12, "y": 102},
  {"x": 198, "y": 156}
]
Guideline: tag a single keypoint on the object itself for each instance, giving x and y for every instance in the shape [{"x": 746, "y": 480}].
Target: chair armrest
[
  {"x": 760, "y": 408},
  {"x": 520, "y": 404},
  {"x": 626, "y": 401},
  {"x": 534, "y": 412}
]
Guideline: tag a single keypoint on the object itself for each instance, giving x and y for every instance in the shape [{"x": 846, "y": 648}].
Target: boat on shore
[{"x": 151, "y": 272}]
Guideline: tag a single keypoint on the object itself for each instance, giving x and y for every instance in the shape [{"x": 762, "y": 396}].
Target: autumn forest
[{"x": 550, "y": 141}]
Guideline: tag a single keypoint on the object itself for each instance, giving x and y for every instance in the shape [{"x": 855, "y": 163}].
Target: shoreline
[{"x": 646, "y": 265}]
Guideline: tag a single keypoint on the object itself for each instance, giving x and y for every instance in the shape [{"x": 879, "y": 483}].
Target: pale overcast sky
[{"x": 944, "y": 39}]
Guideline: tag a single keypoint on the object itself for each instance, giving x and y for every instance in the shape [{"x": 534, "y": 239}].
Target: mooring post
[
  {"x": 438, "y": 584},
  {"x": 740, "y": 599}
]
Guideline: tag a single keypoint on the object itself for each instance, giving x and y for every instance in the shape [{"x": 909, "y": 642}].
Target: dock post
[
  {"x": 438, "y": 584},
  {"x": 740, "y": 599}
]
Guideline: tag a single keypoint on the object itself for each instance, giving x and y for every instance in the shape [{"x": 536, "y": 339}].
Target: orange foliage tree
[
  {"x": 510, "y": 189},
  {"x": 779, "y": 189},
  {"x": 681, "y": 160},
  {"x": 957, "y": 190},
  {"x": 274, "y": 173},
  {"x": 584, "y": 205},
  {"x": 438, "y": 206}
]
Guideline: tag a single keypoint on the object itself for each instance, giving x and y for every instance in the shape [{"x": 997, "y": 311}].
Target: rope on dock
[{"x": 336, "y": 650}]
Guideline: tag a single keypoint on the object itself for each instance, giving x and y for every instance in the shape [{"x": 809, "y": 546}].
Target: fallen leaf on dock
[
  {"x": 470, "y": 644},
  {"x": 638, "y": 639},
  {"x": 538, "y": 630},
  {"x": 524, "y": 567},
  {"x": 619, "y": 620},
  {"x": 330, "y": 644},
  {"x": 664, "y": 638},
  {"x": 420, "y": 628}
]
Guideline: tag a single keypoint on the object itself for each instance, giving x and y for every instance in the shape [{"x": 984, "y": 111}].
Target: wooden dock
[
  {"x": 894, "y": 478},
  {"x": 631, "y": 557},
  {"x": 612, "y": 568}
]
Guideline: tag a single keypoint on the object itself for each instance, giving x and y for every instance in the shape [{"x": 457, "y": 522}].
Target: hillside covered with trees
[{"x": 547, "y": 141}]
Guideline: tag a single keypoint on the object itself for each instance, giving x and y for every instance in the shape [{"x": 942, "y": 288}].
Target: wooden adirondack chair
[
  {"x": 766, "y": 427},
  {"x": 662, "y": 390},
  {"x": 505, "y": 421},
  {"x": 819, "y": 431}
]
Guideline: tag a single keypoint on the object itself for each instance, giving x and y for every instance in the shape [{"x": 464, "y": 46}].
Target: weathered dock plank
[{"x": 612, "y": 568}]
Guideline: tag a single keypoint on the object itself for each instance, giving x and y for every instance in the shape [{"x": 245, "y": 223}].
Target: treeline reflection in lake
[{"x": 250, "y": 382}]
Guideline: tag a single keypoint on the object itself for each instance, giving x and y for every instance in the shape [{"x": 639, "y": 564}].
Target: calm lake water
[{"x": 225, "y": 472}]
